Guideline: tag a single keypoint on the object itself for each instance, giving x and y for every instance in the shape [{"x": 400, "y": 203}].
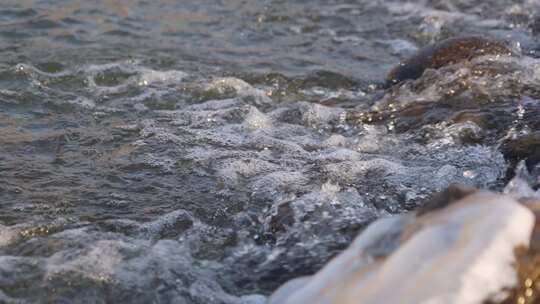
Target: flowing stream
[{"x": 207, "y": 151}]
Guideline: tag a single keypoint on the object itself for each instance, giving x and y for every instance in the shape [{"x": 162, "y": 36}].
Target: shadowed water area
[{"x": 208, "y": 151}]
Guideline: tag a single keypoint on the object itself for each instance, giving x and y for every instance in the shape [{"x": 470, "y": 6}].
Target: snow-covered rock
[{"x": 462, "y": 252}]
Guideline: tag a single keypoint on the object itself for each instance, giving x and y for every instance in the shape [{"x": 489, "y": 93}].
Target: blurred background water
[{"x": 207, "y": 151}]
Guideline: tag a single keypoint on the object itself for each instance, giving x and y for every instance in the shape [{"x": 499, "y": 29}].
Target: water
[{"x": 207, "y": 151}]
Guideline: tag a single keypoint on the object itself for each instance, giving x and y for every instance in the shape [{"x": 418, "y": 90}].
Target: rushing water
[{"x": 207, "y": 151}]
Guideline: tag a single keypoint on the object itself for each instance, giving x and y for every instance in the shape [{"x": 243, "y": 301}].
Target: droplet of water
[{"x": 469, "y": 174}]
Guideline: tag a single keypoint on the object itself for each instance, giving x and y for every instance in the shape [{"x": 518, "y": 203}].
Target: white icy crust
[{"x": 463, "y": 254}]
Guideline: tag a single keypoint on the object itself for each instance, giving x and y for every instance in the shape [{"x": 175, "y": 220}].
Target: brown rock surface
[{"x": 445, "y": 52}]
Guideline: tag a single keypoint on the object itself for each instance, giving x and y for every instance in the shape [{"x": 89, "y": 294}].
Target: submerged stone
[
  {"x": 443, "y": 53},
  {"x": 523, "y": 146}
]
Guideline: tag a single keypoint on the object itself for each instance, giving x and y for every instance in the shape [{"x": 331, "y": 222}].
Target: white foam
[
  {"x": 149, "y": 77},
  {"x": 97, "y": 262},
  {"x": 256, "y": 120},
  {"x": 8, "y": 236}
]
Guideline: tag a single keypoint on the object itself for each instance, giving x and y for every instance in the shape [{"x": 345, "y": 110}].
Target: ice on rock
[{"x": 463, "y": 253}]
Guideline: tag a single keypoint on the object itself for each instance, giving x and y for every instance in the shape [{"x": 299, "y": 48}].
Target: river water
[{"x": 208, "y": 151}]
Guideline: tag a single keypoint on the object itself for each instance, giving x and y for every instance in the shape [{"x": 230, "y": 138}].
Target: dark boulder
[{"x": 443, "y": 53}]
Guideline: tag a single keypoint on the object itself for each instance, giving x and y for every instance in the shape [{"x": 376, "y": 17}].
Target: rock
[
  {"x": 446, "y": 52},
  {"x": 282, "y": 217},
  {"x": 524, "y": 146},
  {"x": 445, "y": 198},
  {"x": 460, "y": 252},
  {"x": 528, "y": 259}
]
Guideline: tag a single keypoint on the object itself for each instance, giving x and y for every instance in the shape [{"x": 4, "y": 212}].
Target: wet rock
[
  {"x": 452, "y": 194},
  {"x": 534, "y": 25},
  {"x": 446, "y": 52},
  {"x": 528, "y": 259},
  {"x": 526, "y": 146},
  {"x": 462, "y": 252},
  {"x": 281, "y": 218}
]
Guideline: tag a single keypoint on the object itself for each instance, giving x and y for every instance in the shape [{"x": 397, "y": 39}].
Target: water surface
[{"x": 207, "y": 151}]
